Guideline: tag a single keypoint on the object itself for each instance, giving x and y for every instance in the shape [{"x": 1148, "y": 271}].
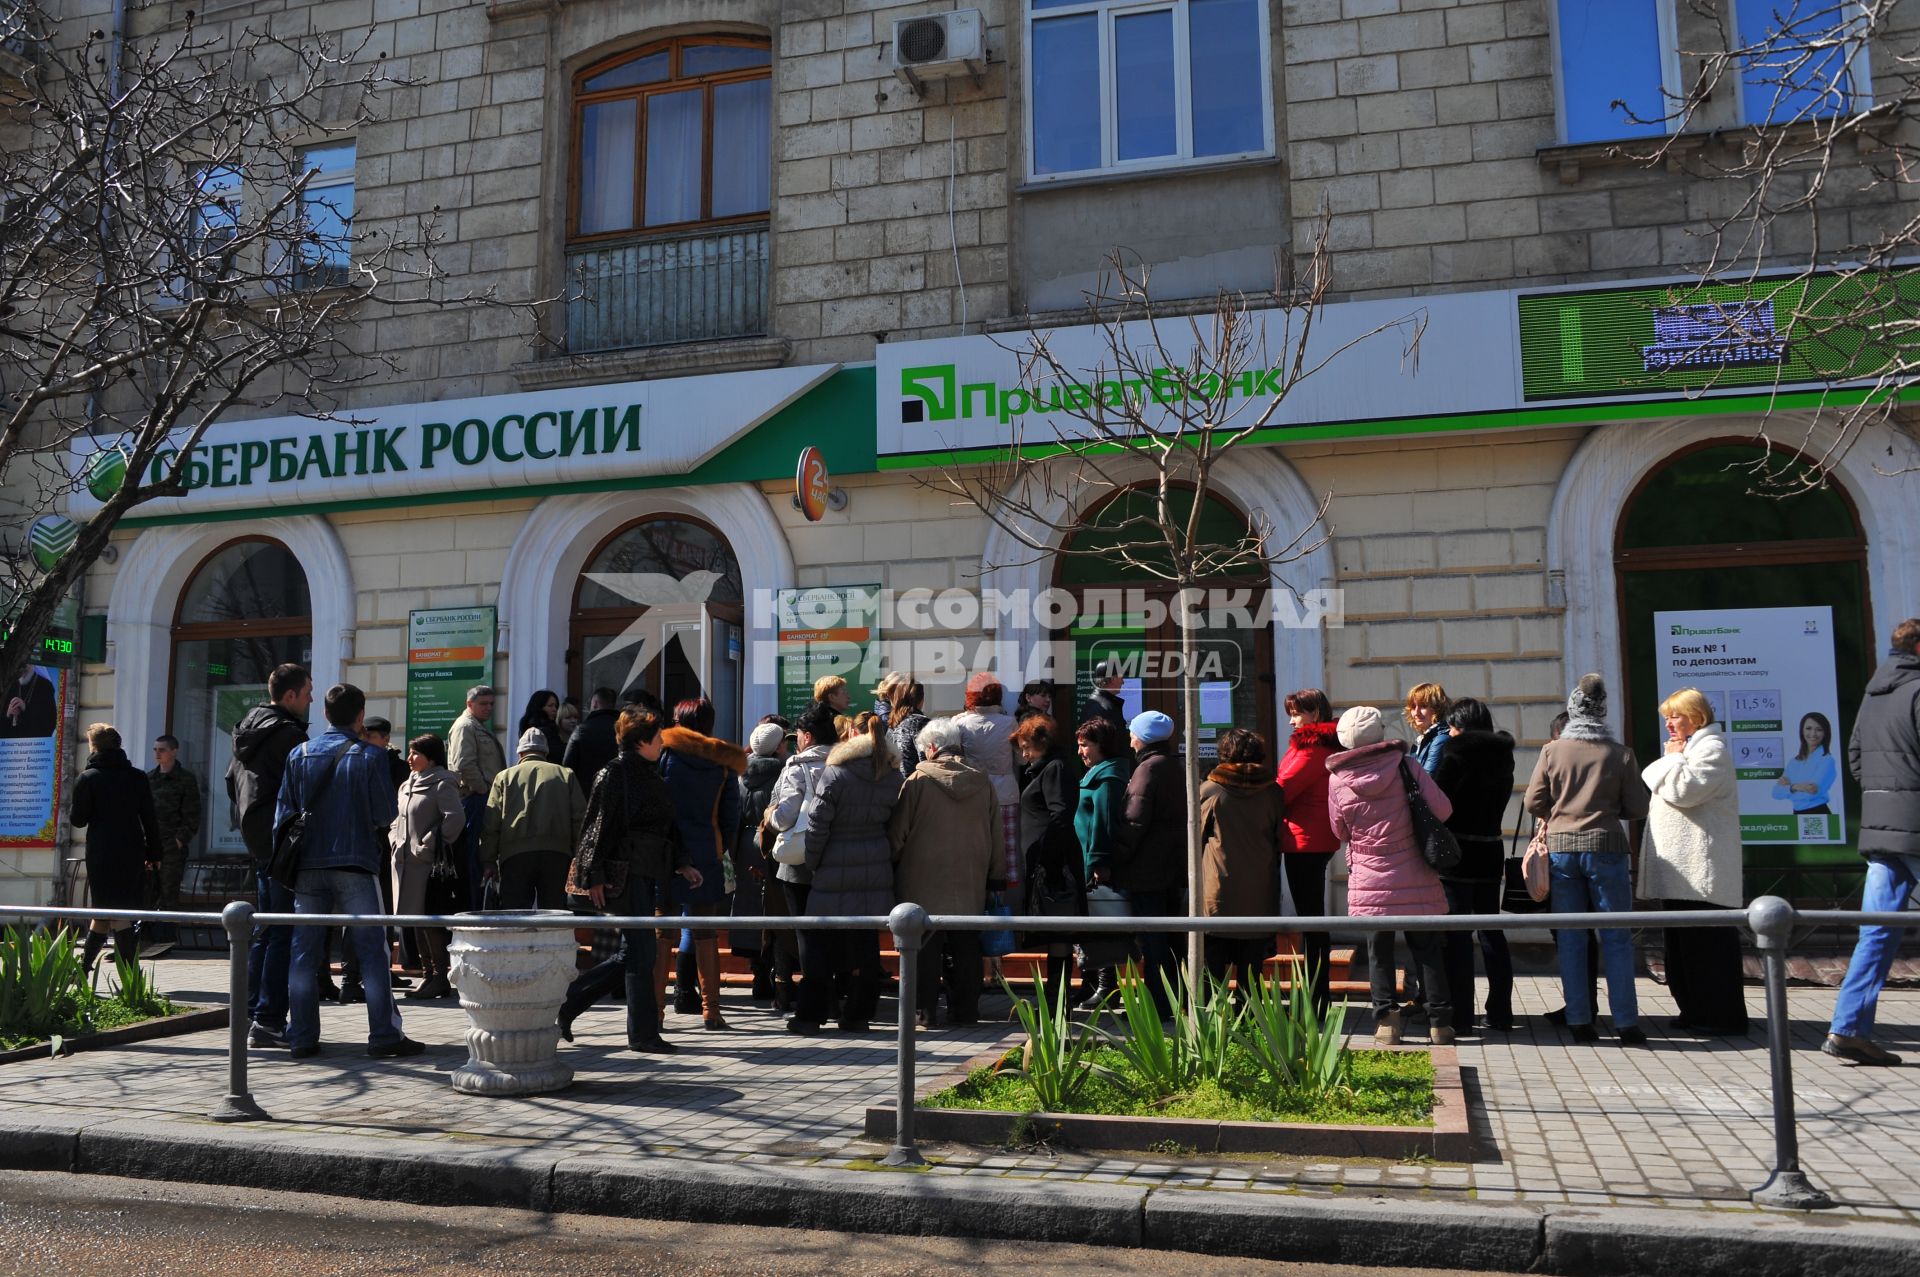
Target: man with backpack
[
  {"x": 262, "y": 740},
  {"x": 336, "y": 789}
]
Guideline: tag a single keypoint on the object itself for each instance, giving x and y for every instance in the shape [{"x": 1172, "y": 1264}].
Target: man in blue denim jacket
[{"x": 339, "y": 868}]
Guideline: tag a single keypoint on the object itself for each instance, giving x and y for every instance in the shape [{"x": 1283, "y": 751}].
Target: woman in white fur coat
[{"x": 1693, "y": 861}]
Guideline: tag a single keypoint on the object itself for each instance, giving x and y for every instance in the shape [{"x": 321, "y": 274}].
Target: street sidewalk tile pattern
[{"x": 1682, "y": 1123}]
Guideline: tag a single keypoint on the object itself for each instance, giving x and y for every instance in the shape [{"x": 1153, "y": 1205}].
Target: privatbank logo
[{"x": 934, "y": 392}]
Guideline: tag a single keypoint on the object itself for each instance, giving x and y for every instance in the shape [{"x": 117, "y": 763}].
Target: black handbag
[
  {"x": 1437, "y": 843},
  {"x": 290, "y": 836}
]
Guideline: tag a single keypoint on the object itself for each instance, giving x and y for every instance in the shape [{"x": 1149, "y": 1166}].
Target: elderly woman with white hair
[
  {"x": 947, "y": 851},
  {"x": 1693, "y": 861}
]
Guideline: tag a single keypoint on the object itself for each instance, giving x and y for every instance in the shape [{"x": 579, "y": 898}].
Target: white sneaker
[{"x": 1386, "y": 1031}]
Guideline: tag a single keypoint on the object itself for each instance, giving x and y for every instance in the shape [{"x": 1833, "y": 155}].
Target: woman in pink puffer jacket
[{"x": 1386, "y": 872}]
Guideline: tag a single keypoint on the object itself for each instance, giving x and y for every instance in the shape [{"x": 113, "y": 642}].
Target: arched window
[
  {"x": 1234, "y": 662},
  {"x": 1696, "y": 535},
  {"x": 673, "y": 135},
  {"x": 244, "y": 611},
  {"x": 660, "y": 606}
]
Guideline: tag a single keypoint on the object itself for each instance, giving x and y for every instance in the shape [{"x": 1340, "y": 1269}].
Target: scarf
[{"x": 1587, "y": 711}]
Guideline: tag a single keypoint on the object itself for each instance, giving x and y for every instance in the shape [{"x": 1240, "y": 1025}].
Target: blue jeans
[
  {"x": 474, "y": 806},
  {"x": 1157, "y": 953},
  {"x": 1595, "y": 882},
  {"x": 267, "y": 957},
  {"x": 337, "y": 891},
  {"x": 1890, "y": 883}
]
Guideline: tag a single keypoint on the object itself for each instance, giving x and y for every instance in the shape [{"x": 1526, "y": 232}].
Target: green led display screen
[{"x": 1712, "y": 337}]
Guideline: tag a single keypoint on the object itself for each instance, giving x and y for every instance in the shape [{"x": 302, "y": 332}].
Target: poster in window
[
  {"x": 32, "y": 758},
  {"x": 1769, "y": 675},
  {"x": 230, "y": 705}
]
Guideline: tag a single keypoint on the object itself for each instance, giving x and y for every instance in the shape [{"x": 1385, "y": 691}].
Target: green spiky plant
[
  {"x": 1058, "y": 1059},
  {"x": 1300, "y": 1050}
]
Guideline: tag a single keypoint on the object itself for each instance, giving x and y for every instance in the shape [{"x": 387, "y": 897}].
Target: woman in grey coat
[
  {"x": 793, "y": 789},
  {"x": 851, "y": 859}
]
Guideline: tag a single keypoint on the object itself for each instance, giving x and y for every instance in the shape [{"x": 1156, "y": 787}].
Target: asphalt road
[{"x": 55, "y": 1223}]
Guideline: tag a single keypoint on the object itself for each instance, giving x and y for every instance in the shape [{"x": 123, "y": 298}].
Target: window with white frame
[
  {"x": 323, "y": 247},
  {"x": 1119, "y": 85},
  {"x": 1619, "y": 63}
]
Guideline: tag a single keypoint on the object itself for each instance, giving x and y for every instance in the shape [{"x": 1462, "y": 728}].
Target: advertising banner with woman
[{"x": 1769, "y": 675}]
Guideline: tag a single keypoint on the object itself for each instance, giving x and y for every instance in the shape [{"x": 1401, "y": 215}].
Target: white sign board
[
  {"x": 1769, "y": 673},
  {"x": 959, "y": 393},
  {"x": 501, "y": 442}
]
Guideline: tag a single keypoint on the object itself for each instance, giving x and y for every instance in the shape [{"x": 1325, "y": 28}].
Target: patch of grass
[
  {"x": 45, "y": 996},
  {"x": 1383, "y": 1088}
]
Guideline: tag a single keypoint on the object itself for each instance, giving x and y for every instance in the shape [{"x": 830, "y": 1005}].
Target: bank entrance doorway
[
  {"x": 1695, "y": 536},
  {"x": 660, "y": 607}
]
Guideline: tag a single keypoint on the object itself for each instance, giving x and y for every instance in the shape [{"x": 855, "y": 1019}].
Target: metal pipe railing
[{"x": 1769, "y": 919}]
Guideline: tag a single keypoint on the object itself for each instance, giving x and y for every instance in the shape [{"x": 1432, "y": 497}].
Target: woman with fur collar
[
  {"x": 850, "y": 857},
  {"x": 702, "y": 774},
  {"x": 1693, "y": 861},
  {"x": 1243, "y": 831}
]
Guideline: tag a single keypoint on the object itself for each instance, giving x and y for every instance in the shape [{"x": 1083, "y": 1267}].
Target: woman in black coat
[
  {"x": 113, "y": 802},
  {"x": 1476, "y": 773},
  {"x": 1053, "y": 873}
]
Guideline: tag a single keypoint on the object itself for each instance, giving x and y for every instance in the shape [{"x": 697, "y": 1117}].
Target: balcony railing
[{"x": 657, "y": 292}]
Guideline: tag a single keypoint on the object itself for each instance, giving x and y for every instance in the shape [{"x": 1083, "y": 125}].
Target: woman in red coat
[{"x": 1311, "y": 840}]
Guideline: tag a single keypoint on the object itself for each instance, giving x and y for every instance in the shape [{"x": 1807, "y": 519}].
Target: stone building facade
[{"x": 1480, "y": 545}]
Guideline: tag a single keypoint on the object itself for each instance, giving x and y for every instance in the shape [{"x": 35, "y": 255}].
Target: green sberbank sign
[
  {"x": 546, "y": 439},
  {"x": 1596, "y": 343}
]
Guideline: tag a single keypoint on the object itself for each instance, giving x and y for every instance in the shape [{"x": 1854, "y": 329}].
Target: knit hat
[
  {"x": 1361, "y": 725},
  {"x": 1588, "y": 698},
  {"x": 765, "y": 739},
  {"x": 1149, "y": 726},
  {"x": 533, "y": 741}
]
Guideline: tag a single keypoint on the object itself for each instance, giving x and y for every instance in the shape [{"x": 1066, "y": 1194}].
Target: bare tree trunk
[{"x": 1190, "y": 736}]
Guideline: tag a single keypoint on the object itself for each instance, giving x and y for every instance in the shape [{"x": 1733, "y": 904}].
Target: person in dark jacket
[
  {"x": 702, "y": 775},
  {"x": 1243, "y": 834},
  {"x": 628, "y": 848},
  {"x": 1476, "y": 774},
  {"x": 32, "y": 710},
  {"x": 543, "y": 715},
  {"x": 1036, "y": 700},
  {"x": 1153, "y": 877},
  {"x": 850, "y": 856},
  {"x": 262, "y": 739},
  {"x": 752, "y": 869},
  {"x": 1884, "y": 756},
  {"x": 341, "y": 785},
  {"x": 113, "y": 802},
  {"x": 592, "y": 746},
  {"x": 905, "y": 721},
  {"x": 1053, "y": 872},
  {"x": 1105, "y": 701}
]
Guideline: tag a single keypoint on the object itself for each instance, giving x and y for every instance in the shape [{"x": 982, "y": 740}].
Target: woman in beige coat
[
  {"x": 430, "y": 818},
  {"x": 945, "y": 832},
  {"x": 1693, "y": 861}
]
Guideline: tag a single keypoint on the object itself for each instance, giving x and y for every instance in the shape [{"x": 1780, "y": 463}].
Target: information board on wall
[
  {"x": 32, "y": 758},
  {"x": 1769, "y": 674},
  {"x": 449, "y": 649},
  {"x": 230, "y": 705},
  {"x": 822, "y": 630}
]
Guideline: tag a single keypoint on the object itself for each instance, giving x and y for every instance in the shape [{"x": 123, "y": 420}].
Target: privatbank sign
[
  {"x": 502, "y": 442},
  {"x": 1483, "y": 361}
]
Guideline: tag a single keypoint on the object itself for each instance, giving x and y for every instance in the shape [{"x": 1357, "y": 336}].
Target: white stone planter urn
[{"x": 511, "y": 983}]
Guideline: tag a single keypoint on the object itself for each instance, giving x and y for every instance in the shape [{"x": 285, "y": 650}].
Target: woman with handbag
[
  {"x": 1586, "y": 786},
  {"x": 427, "y": 854},
  {"x": 1053, "y": 873},
  {"x": 702, "y": 775},
  {"x": 1099, "y": 826},
  {"x": 1387, "y": 871},
  {"x": 1693, "y": 861},
  {"x": 1476, "y": 775},
  {"x": 1243, "y": 831},
  {"x": 629, "y": 848},
  {"x": 788, "y": 814},
  {"x": 1311, "y": 842}
]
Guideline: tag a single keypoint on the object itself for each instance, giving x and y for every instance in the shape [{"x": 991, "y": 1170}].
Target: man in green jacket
[
  {"x": 176, "y": 802},
  {"x": 534, "y": 814}
]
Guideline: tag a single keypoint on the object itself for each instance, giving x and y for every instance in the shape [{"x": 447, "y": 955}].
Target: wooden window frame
[
  {"x": 675, "y": 82},
  {"x": 204, "y": 631}
]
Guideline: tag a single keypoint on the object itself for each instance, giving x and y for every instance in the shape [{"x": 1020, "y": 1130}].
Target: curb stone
[{"x": 1574, "y": 1242}]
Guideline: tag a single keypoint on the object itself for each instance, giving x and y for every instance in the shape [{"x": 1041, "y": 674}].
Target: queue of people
[{"x": 632, "y": 810}]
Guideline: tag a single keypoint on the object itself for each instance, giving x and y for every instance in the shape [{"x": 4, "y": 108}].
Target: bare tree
[
  {"x": 1803, "y": 118},
  {"x": 1170, "y": 398},
  {"x": 170, "y": 252}
]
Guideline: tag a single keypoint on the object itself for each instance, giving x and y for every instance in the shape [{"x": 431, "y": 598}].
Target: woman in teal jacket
[{"x": 1099, "y": 822}]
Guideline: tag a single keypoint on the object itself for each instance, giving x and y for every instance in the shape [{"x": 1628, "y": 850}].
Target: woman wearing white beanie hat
[{"x": 1387, "y": 874}]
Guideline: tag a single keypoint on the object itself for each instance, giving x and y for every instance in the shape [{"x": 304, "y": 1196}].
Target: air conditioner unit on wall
[{"x": 939, "y": 45}]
